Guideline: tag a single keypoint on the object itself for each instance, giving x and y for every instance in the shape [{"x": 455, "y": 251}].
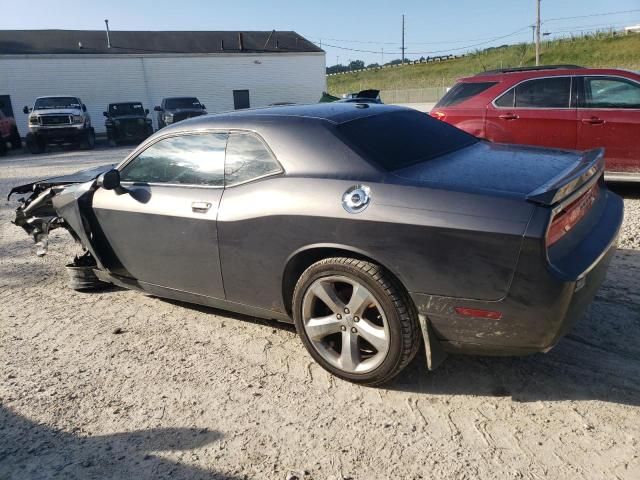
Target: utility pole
[
  {"x": 537, "y": 32},
  {"x": 533, "y": 34},
  {"x": 403, "y": 38},
  {"x": 382, "y": 56}
]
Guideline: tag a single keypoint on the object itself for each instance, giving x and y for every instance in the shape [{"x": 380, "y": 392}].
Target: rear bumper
[{"x": 542, "y": 305}]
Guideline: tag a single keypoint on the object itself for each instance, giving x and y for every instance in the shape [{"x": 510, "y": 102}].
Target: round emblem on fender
[{"x": 356, "y": 198}]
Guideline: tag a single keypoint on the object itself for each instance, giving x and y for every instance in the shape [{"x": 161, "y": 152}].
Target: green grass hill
[{"x": 603, "y": 50}]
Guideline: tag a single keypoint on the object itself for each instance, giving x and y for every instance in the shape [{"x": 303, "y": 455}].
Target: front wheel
[
  {"x": 88, "y": 141},
  {"x": 35, "y": 145},
  {"x": 355, "y": 320},
  {"x": 16, "y": 141}
]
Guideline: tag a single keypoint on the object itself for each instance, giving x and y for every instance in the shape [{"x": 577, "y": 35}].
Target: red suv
[{"x": 560, "y": 106}]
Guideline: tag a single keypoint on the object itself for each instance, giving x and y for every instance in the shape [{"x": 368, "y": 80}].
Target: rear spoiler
[{"x": 588, "y": 170}]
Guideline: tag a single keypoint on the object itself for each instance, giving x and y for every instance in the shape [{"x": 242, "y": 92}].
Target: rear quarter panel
[{"x": 438, "y": 242}]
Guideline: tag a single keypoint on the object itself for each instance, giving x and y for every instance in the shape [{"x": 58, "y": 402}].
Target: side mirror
[
  {"x": 157, "y": 108},
  {"x": 203, "y": 107},
  {"x": 25, "y": 110},
  {"x": 109, "y": 180},
  {"x": 146, "y": 111},
  {"x": 105, "y": 114},
  {"x": 84, "y": 107}
]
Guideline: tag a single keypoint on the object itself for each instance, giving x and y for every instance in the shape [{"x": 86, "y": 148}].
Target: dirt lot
[{"x": 188, "y": 393}]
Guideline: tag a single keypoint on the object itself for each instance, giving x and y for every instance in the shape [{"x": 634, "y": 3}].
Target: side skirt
[{"x": 170, "y": 293}]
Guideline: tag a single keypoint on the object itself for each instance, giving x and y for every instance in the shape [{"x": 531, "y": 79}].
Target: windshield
[
  {"x": 126, "y": 109},
  {"x": 398, "y": 139},
  {"x": 56, "y": 102},
  {"x": 186, "y": 102}
]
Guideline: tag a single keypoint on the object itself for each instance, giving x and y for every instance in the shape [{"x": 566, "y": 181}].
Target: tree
[
  {"x": 356, "y": 65},
  {"x": 373, "y": 65}
]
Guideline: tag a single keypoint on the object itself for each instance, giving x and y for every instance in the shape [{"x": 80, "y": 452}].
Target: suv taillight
[{"x": 567, "y": 218}]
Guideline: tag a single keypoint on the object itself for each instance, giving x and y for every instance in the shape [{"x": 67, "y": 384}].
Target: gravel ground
[{"x": 120, "y": 385}]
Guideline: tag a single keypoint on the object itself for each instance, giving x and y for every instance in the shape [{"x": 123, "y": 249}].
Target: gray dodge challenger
[{"x": 375, "y": 229}]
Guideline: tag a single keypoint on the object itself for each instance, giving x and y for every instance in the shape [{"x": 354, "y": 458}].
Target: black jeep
[
  {"x": 172, "y": 110},
  {"x": 127, "y": 122}
]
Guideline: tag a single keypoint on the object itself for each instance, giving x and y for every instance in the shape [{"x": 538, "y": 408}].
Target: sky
[{"x": 433, "y": 27}]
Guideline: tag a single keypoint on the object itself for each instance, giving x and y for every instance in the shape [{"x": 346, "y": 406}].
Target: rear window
[
  {"x": 398, "y": 139},
  {"x": 463, "y": 91}
]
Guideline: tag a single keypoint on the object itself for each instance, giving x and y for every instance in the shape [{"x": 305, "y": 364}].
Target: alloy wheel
[{"x": 345, "y": 324}]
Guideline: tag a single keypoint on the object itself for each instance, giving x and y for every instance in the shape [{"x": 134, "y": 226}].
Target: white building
[{"x": 273, "y": 67}]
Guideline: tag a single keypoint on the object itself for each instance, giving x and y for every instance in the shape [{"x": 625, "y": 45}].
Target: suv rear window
[
  {"x": 463, "y": 91},
  {"x": 399, "y": 139}
]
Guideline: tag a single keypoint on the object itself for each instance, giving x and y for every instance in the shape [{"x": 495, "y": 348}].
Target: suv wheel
[
  {"x": 16, "y": 141},
  {"x": 355, "y": 320},
  {"x": 35, "y": 145},
  {"x": 88, "y": 141}
]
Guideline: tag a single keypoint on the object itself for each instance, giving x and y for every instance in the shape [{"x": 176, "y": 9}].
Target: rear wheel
[
  {"x": 88, "y": 141},
  {"x": 355, "y": 320}
]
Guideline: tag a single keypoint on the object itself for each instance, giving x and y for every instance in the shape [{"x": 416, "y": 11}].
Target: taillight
[
  {"x": 437, "y": 114},
  {"x": 567, "y": 218}
]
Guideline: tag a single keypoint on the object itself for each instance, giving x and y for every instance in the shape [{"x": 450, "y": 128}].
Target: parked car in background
[
  {"x": 364, "y": 96},
  {"x": 175, "y": 109},
  {"x": 59, "y": 120},
  {"x": 127, "y": 122},
  {"x": 554, "y": 106},
  {"x": 373, "y": 228},
  {"x": 8, "y": 133}
]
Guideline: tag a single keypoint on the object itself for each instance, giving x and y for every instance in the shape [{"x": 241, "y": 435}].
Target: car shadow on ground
[
  {"x": 598, "y": 360},
  {"x": 32, "y": 450}
]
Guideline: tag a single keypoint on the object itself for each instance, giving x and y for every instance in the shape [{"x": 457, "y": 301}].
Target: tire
[
  {"x": 16, "y": 141},
  {"x": 35, "y": 145},
  {"x": 88, "y": 141},
  {"x": 385, "y": 341},
  {"x": 82, "y": 278}
]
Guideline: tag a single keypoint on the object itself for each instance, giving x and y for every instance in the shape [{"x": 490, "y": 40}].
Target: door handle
[
  {"x": 200, "y": 207},
  {"x": 593, "y": 121},
  {"x": 508, "y": 116}
]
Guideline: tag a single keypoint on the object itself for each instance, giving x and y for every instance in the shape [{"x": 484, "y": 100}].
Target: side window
[
  {"x": 507, "y": 99},
  {"x": 607, "y": 92},
  {"x": 554, "y": 92},
  {"x": 188, "y": 159},
  {"x": 247, "y": 159}
]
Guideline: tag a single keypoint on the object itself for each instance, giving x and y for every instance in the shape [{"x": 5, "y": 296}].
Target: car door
[
  {"x": 161, "y": 225},
  {"x": 248, "y": 229},
  {"x": 539, "y": 111},
  {"x": 609, "y": 117}
]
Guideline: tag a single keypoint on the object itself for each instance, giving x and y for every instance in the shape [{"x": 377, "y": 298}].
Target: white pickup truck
[{"x": 59, "y": 120}]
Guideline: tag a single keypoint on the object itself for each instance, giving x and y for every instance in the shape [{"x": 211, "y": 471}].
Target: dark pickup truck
[{"x": 172, "y": 110}]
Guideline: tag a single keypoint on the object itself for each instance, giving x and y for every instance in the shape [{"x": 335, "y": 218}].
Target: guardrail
[{"x": 441, "y": 58}]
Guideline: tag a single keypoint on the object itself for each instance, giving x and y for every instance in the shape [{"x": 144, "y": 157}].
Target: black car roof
[{"x": 336, "y": 113}]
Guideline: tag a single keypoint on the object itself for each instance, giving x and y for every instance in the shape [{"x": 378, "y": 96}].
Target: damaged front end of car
[{"x": 59, "y": 202}]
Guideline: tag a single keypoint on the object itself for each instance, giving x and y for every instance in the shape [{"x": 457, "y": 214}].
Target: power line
[
  {"x": 592, "y": 15},
  {"x": 435, "y": 51},
  {"x": 448, "y": 42}
]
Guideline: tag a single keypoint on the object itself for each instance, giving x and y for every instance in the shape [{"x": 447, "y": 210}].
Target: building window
[{"x": 241, "y": 99}]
